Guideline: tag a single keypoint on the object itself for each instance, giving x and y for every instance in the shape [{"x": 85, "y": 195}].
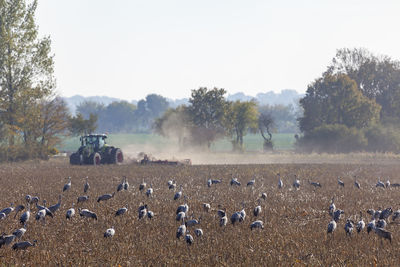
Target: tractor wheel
[
  {"x": 107, "y": 158},
  {"x": 116, "y": 156},
  {"x": 95, "y": 159},
  {"x": 74, "y": 159}
]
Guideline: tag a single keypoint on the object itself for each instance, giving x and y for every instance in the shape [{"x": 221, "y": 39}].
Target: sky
[{"x": 128, "y": 48}]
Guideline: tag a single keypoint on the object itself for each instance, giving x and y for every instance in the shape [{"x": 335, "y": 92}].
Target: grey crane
[
  {"x": 337, "y": 215},
  {"x": 192, "y": 222},
  {"x": 178, "y": 194},
  {"x": 198, "y": 232},
  {"x": 361, "y": 224},
  {"x": 184, "y": 208},
  {"x": 28, "y": 199},
  {"x": 264, "y": 196},
  {"x": 356, "y": 183},
  {"x": 332, "y": 206},
  {"x": 221, "y": 212},
  {"x": 395, "y": 215},
  {"x": 150, "y": 214},
  {"x": 257, "y": 209},
  {"x": 25, "y": 216},
  {"x": 236, "y": 217},
  {"x": 105, "y": 197},
  {"x": 20, "y": 232},
  {"x": 189, "y": 238},
  {"x": 387, "y": 184},
  {"x": 120, "y": 186},
  {"x": 149, "y": 191},
  {"x": 40, "y": 215},
  {"x": 70, "y": 212},
  {"x": 257, "y": 224},
  {"x": 47, "y": 210},
  {"x": 126, "y": 184},
  {"x": 8, "y": 210},
  {"x": 371, "y": 225},
  {"x": 142, "y": 186},
  {"x": 6, "y": 239},
  {"x": 171, "y": 184},
  {"x": 380, "y": 184},
  {"x": 67, "y": 186},
  {"x": 331, "y": 227},
  {"x": 383, "y": 233},
  {"x": 86, "y": 187},
  {"x": 315, "y": 184},
  {"x": 280, "y": 182},
  {"x": 2, "y": 215},
  {"x": 209, "y": 182},
  {"x": 235, "y": 181},
  {"x": 122, "y": 211},
  {"x": 349, "y": 227},
  {"x": 340, "y": 182},
  {"x": 381, "y": 223},
  {"x": 296, "y": 183},
  {"x": 23, "y": 245},
  {"x": 181, "y": 230},
  {"x": 110, "y": 232},
  {"x": 83, "y": 199},
  {"x": 206, "y": 207},
  {"x": 216, "y": 181},
  {"x": 180, "y": 216},
  {"x": 142, "y": 211},
  {"x": 386, "y": 213},
  {"x": 223, "y": 221},
  {"x": 251, "y": 182},
  {"x": 57, "y": 206},
  {"x": 87, "y": 213}
]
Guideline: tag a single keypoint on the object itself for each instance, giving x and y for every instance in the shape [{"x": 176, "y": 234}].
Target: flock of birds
[{"x": 377, "y": 224}]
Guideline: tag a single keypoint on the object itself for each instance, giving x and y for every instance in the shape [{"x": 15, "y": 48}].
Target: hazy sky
[{"x": 130, "y": 48}]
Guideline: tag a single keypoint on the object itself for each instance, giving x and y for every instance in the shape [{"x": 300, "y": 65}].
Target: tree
[
  {"x": 284, "y": 116},
  {"x": 378, "y": 78},
  {"x": 265, "y": 125},
  {"x": 335, "y": 99},
  {"x": 26, "y": 74},
  {"x": 117, "y": 117},
  {"x": 53, "y": 123},
  {"x": 90, "y": 107},
  {"x": 148, "y": 110},
  {"x": 207, "y": 112},
  {"x": 241, "y": 117},
  {"x": 79, "y": 126}
]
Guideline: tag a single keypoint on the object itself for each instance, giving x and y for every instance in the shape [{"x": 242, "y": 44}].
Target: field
[
  {"x": 295, "y": 221},
  {"x": 252, "y": 142}
]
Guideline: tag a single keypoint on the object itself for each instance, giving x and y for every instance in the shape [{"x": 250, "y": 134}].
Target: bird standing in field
[
  {"x": 361, "y": 224},
  {"x": 340, "y": 182},
  {"x": 55, "y": 207},
  {"x": 20, "y": 232},
  {"x": 332, "y": 206},
  {"x": 331, "y": 227},
  {"x": 67, "y": 186},
  {"x": 181, "y": 230},
  {"x": 71, "y": 212},
  {"x": 257, "y": 210},
  {"x": 149, "y": 191},
  {"x": 105, "y": 197},
  {"x": 178, "y": 194},
  {"x": 86, "y": 187},
  {"x": 349, "y": 227},
  {"x": 251, "y": 182},
  {"x": 87, "y": 213},
  {"x": 198, "y": 232},
  {"x": 142, "y": 185},
  {"x": 121, "y": 211},
  {"x": 109, "y": 232},
  {"x": 280, "y": 182},
  {"x": 8, "y": 210},
  {"x": 296, "y": 183},
  {"x": 189, "y": 238},
  {"x": 257, "y": 224},
  {"x": 25, "y": 216},
  {"x": 120, "y": 186},
  {"x": 23, "y": 245},
  {"x": 126, "y": 184},
  {"x": 356, "y": 183}
]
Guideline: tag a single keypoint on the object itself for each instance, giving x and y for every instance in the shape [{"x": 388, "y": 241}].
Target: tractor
[{"x": 94, "y": 150}]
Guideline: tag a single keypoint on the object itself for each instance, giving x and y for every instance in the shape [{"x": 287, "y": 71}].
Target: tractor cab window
[{"x": 101, "y": 142}]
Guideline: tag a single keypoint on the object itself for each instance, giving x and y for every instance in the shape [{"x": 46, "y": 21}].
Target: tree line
[{"x": 353, "y": 106}]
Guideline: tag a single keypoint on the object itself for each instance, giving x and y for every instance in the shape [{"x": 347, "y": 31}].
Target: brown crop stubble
[{"x": 295, "y": 221}]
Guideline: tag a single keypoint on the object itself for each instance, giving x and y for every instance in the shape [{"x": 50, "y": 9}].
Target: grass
[{"x": 252, "y": 142}]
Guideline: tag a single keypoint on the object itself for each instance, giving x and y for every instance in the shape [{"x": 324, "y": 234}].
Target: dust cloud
[{"x": 201, "y": 156}]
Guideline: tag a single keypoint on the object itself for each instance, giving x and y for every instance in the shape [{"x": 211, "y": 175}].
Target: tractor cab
[{"x": 96, "y": 141}]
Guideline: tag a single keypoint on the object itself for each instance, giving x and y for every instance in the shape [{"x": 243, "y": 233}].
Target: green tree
[
  {"x": 78, "y": 125},
  {"x": 90, "y": 107},
  {"x": 241, "y": 117},
  {"x": 378, "y": 78},
  {"x": 335, "y": 99},
  {"x": 148, "y": 110},
  {"x": 207, "y": 113},
  {"x": 26, "y": 74}
]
